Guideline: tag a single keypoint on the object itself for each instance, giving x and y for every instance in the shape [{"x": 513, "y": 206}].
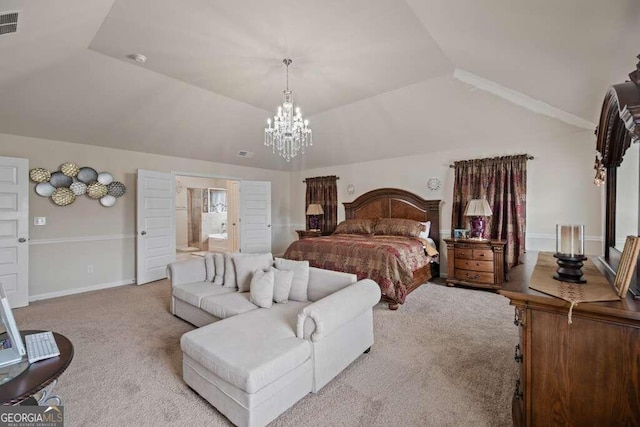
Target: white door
[
  {"x": 156, "y": 237},
  {"x": 255, "y": 216},
  {"x": 14, "y": 229}
]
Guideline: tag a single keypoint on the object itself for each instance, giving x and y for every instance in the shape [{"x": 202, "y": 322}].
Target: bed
[{"x": 389, "y": 260}]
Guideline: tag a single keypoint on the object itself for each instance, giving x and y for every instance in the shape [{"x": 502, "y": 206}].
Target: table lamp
[
  {"x": 570, "y": 253},
  {"x": 478, "y": 209},
  {"x": 314, "y": 210}
]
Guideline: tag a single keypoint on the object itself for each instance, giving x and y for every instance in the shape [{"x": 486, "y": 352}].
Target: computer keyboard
[{"x": 41, "y": 346}]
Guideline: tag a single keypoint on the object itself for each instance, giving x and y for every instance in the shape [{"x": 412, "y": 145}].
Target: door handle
[
  {"x": 22, "y": 240},
  {"x": 143, "y": 233},
  {"x": 269, "y": 226}
]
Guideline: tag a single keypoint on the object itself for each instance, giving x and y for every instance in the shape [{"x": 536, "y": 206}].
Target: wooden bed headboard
[{"x": 396, "y": 203}]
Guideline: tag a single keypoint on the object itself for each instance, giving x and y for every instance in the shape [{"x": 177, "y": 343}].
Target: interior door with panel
[
  {"x": 156, "y": 237},
  {"x": 255, "y": 216},
  {"x": 14, "y": 229}
]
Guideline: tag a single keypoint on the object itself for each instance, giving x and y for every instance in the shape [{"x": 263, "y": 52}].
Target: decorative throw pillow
[
  {"x": 209, "y": 266},
  {"x": 398, "y": 227},
  {"x": 218, "y": 262},
  {"x": 282, "y": 280},
  {"x": 229, "y": 270},
  {"x": 427, "y": 228},
  {"x": 300, "y": 282},
  {"x": 261, "y": 288},
  {"x": 246, "y": 264},
  {"x": 355, "y": 226}
]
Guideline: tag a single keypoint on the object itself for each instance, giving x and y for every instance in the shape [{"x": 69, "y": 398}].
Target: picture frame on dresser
[{"x": 461, "y": 233}]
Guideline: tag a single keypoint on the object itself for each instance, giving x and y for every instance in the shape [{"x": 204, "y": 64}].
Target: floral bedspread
[{"x": 387, "y": 260}]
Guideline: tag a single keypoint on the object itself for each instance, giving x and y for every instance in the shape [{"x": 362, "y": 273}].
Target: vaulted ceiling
[{"x": 377, "y": 78}]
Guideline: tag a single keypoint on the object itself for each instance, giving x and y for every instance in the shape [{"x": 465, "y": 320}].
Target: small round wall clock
[{"x": 433, "y": 184}]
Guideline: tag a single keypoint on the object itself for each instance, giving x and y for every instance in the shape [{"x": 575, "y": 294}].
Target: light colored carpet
[{"x": 444, "y": 358}]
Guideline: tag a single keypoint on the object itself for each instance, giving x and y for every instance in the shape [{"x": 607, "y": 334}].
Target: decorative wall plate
[
  {"x": 351, "y": 189},
  {"x": 95, "y": 190},
  {"x": 59, "y": 180},
  {"x": 107, "y": 201},
  {"x": 45, "y": 189},
  {"x": 116, "y": 189},
  {"x": 87, "y": 175},
  {"x": 105, "y": 178},
  {"x": 39, "y": 175},
  {"x": 70, "y": 169},
  {"x": 433, "y": 184},
  {"x": 63, "y": 196}
]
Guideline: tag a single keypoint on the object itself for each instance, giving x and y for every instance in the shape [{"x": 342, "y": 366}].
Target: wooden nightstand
[
  {"x": 305, "y": 234},
  {"x": 478, "y": 263}
]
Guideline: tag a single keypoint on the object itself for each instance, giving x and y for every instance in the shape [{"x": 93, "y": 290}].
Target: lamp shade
[
  {"x": 478, "y": 207},
  {"x": 315, "y": 209}
]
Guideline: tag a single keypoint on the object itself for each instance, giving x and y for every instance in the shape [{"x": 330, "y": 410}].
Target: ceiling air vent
[
  {"x": 8, "y": 23},
  {"x": 245, "y": 154}
]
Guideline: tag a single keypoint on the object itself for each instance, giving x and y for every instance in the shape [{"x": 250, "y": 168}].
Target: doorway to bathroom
[{"x": 207, "y": 215}]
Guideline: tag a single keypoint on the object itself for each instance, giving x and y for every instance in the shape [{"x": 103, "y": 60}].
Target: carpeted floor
[{"x": 444, "y": 358}]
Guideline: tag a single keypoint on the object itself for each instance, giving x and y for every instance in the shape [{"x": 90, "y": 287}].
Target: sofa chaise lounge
[{"x": 253, "y": 363}]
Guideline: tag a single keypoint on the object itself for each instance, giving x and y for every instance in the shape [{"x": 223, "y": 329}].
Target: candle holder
[{"x": 570, "y": 253}]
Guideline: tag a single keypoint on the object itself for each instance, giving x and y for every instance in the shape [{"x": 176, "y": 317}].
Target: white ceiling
[{"x": 375, "y": 77}]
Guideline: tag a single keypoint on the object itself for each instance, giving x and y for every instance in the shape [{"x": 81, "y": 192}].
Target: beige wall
[
  {"x": 559, "y": 185},
  {"x": 85, "y": 233}
]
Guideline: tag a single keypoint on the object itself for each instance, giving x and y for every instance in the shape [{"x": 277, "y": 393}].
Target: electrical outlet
[
  {"x": 90, "y": 269},
  {"x": 39, "y": 220}
]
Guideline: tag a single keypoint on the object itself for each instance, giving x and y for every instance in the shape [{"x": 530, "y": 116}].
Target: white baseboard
[{"x": 80, "y": 290}]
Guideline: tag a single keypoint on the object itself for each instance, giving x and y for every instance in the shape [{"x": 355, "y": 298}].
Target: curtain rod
[
  {"x": 453, "y": 166},
  {"x": 304, "y": 181}
]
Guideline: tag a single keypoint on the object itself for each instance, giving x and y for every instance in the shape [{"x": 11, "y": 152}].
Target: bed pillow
[
  {"x": 282, "y": 280},
  {"x": 218, "y": 262},
  {"x": 261, "y": 288},
  {"x": 300, "y": 282},
  {"x": 355, "y": 226},
  {"x": 246, "y": 264},
  {"x": 427, "y": 228},
  {"x": 398, "y": 227}
]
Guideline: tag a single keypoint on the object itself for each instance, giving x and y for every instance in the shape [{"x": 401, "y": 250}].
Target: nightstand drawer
[
  {"x": 464, "y": 253},
  {"x": 486, "y": 266},
  {"x": 474, "y": 276},
  {"x": 483, "y": 254}
]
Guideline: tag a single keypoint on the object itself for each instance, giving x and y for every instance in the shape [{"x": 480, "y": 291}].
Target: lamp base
[
  {"x": 477, "y": 228},
  {"x": 569, "y": 268}
]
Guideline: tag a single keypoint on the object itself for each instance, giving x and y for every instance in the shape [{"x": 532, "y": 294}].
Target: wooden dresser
[
  {"x": 583, "y": 374},
  {"x": 478, "y": 263}
]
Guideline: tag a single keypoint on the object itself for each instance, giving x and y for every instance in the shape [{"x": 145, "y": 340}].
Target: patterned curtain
[
  {"x": 323, "y": 190},
  {"x": 503, "y": 182}
]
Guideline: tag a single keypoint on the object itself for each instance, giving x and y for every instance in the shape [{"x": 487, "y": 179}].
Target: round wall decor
[
  {"x": 107, "y": 201},
  {"x": 87, "y": 175},
  {"x": 39, "y": 175},
  {"x": 105, "y": 178},
  {"x": 59, "y": 180},
  {"x": 351, "y": 189},
  {"x": 78, "y": 188},
  {"x": 116, "y": 189},
  {"x": 95, "y": 190},
  {"x": 63, "y": 196},
  {"x": 70, "y": 169},
  {"x": 45, "y": 189}
]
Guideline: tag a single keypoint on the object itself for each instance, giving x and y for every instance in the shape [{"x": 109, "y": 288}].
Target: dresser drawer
[
  {"x": 474, "y": 276},
  {"x": 483, "y": 254},
  {"x": 464, "y": 253},
  {"x": 467, "y": 264}
]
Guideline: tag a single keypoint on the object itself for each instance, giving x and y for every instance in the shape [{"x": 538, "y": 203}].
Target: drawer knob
[{"x": 473, "y": 276}]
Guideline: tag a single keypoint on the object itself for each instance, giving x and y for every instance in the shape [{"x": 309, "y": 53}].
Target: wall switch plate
[{"x": 39, "y": 220}]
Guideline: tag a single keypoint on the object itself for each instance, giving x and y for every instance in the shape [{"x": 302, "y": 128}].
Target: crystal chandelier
[{"x": 290, "y": 134}]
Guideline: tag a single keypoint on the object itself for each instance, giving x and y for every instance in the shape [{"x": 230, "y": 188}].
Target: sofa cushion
[
  {"x": 194, "y": 292},
  {"x": 262, "y": 288},
  {"x": 282, "y": 280},
  {"x": 228, "y": 304},
  {"x": 210, "y": 266},
  {"x": 300, "y": 281},
  {"x": 218, "y": 262},
  {"x": 246, "y": 265},
  {"x": 252, "y": 350}
]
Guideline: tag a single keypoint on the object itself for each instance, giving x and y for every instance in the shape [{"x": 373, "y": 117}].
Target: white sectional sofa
[{"x": 254, "y": 363}]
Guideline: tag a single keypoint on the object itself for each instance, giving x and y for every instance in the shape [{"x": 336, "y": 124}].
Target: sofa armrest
[
  {"x": 322, "y": 317},
  {"x": 187, "y": 271}
]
